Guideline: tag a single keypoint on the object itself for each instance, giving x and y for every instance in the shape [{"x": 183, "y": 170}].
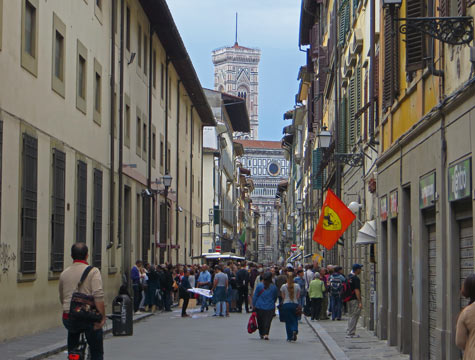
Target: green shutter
[
  {"x": 317, "y": 178},
  {"x": 358, "y": 100},
  {"x": 342, "y": 121},
  {"x": 351, "y": 112},
  {"x": 343, "y": 21}
]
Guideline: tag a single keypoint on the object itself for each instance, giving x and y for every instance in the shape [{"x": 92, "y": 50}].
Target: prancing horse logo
[{"x": 331, "y": 221}]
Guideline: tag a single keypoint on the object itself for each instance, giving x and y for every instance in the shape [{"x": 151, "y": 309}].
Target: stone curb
[
  {"x": 332, "y": 347},
  {"x": 61, "y": 346}
]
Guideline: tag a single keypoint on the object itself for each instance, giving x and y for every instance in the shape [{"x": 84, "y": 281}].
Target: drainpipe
[
  {"x": 112, "y": 126},
  {"x": 372, "y": 19},
  {"x": 126, "y": 249},
  {"x": 149, "y": 178},
  {"x": 166, "y": 158},
  {"x": 177, "y": 227},
  {"x": 191, "y": 183}
]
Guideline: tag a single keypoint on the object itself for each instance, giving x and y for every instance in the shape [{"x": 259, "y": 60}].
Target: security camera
[
  {"x": 180, "y": 209},
  {"x": 146, "y": 192}
]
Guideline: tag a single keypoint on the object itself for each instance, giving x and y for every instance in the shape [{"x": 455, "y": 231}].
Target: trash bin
[{"x": 122, "y": 316}]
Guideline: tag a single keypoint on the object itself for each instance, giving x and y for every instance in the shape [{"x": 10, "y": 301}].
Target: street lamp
[
  {"x": 167, "y": 181},
  {"x": 324, "y": 138}
]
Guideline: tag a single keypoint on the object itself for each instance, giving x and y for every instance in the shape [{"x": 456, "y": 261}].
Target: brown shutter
[
  {"x": 29, "y": 204},
  {"x": 414, "y": 38},
  {"x": 81, "y": 208},
  {"x": 57, "y": 216},
  {"x": 365, "y": 125},
  {"x": 97, "y": 222},
  {"x": 145, "y": 226},
  {"x": 444, "y": 7},
  {"x": 461, "y": 7},
  {"x": 391, "y": 59},
  {"x": 377, "y": 102},
  {"x": 1, "y": 157}
]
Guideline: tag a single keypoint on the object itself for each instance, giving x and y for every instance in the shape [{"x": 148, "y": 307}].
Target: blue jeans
[
  {"x": 94, "y": 338},
  {"x": 335, "y": 306},
  {"x": 204, "y": 299},
  {"x": 290, "y": 318},
  {"x": 221, "y": 308},
  {"x": 302, "y": 301}
]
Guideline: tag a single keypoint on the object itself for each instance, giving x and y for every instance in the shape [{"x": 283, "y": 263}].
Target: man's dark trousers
[
  {"x": 137, "y": 296},
  {"x": 94, "y": 338},
  {"x": 243, "y": 295}
]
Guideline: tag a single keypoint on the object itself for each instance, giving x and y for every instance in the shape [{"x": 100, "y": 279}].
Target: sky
[{"x": 270, "y": 25}]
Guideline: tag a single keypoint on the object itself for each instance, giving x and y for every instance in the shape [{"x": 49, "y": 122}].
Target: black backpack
[
  {"x": 336, "y": 286},
  {"x": 348, "y": 290}
]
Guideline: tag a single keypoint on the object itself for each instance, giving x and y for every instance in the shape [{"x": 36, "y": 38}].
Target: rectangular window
[
  {"x": 145, "y": 227},
  {"x": 139, "y": 45},
  {"x": 59, "y": 56},
  {"x": 29, "y": 36},
  {"x": 162, "y": 80},
  {"x": 1, "y": 157},
  {"x": 145, "y": 54},
  {"x": 154, "y": 69},
  {"x": 58, "y": 211},
  {"x": 29, "y": 201},
  {"x": 186, "y": 176},
  {"x": 186, "y": 119},
  {"x": 138, "y": 130},
  {"x": 161, "y": 153},
  {"x": 81, "y": 202},
  {"x": 97, "y": 91},
  {"x": 127, "y": 28},
  {"x": 192, "y": 183},
  {"x": 127, "y": 126},
  {"x": 170, "y": 93},
  {"x": 59, "y": 33},
  {"x": 81, "y": 77},
  {"x": 169, "y": 158},
  {"x": 1, "y": 22},
  {"x": 97, "y": 220},
  {"x": 144, "y": 138},
  {"x": 154, "y": 147}
]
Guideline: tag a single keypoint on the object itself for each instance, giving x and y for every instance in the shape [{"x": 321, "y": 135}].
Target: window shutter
[
  {"x": 391, "y": 60},
  {"x": 81, "y": 208},
  {"x": 414, "y": 38},
  {"x": 444, "y": 7},
  {"x": 366, "y": 117},
  {"x": 377, "y": 103},
  {"x": 97, "y": 222},
  {"x": 317, "y": 179},
  {"x": 29, "y": 204},
  {"x": 342, "y": 126},
  {"x": 57, "y": 217},
  {"x": 358, "y": 101},
  {"x": 461, "y": 7},
  {"x": 351, "y": 112},
  {"x": 343, "y": 22},
  {"x": 145, "y": 226}
]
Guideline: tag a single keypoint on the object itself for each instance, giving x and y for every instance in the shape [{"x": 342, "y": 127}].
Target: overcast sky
[{"x": 270, "y": 25}]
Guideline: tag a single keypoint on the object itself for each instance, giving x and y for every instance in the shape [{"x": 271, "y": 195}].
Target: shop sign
[
  {"x": 460, "y": 180},
  {"x": 383, "y": 208},
  {"x": 427, "y": 191},
  {"x": 393, "y": 204}
]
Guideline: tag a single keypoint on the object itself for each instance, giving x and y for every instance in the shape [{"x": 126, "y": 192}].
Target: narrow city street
[{"x": 203, "y": 336}]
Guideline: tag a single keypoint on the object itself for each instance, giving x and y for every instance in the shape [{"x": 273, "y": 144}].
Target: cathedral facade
[{"x": 236, "y": 72}]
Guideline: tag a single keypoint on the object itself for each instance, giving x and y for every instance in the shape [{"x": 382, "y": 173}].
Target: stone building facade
[
  {"x": 268, "y": 167},
  {"x": 236, "y": 72}
]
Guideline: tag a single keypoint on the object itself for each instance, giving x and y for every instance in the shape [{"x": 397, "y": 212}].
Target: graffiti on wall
[{"x": 7, "y": 258}]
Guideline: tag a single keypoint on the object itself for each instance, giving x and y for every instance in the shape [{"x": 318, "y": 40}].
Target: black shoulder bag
[{"x": 83, "y": 307}]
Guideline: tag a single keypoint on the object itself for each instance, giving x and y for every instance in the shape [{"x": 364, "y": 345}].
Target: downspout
[
  {"x": 177, "y": 227},
  {"x": 191, "y": 182},
  {"x": 112, "y": 126},
  {"x": 201, "y": 193},
  {"x": 149, "y": 178},
  {"x": 121, "y": 124},
  {"x": 166, "y": 158},
  {"x": 372, "y": 19},
  {"x": 431, "y": 65}
]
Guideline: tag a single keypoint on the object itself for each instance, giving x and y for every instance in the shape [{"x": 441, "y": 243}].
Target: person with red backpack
[{"x": 354, "y": 303}]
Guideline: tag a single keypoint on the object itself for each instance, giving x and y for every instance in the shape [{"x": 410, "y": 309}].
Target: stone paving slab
[
  {"x": 44, "y": 343},
  {"x": 367, "y": 346}
]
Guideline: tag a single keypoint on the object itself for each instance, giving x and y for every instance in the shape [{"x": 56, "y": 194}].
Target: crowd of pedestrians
[{"x": 318, "y": 292}]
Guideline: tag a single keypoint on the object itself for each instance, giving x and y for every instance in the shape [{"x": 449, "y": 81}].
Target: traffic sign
[
  {"x": 218, "y": 248},
  {"x": 293, "y": 247}
]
